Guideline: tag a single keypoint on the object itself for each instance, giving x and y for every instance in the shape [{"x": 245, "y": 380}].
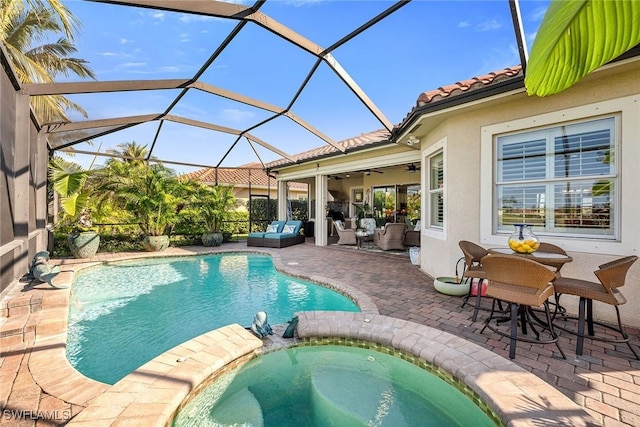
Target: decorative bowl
[{"x": 449, "y": 286}]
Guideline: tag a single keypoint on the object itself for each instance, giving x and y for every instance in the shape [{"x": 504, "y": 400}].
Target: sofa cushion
[
  {"x": 297, "y": 224},
  {"x": 272, "y": 228},
  {"x": 258, "y": 234},
  {"x": 280, "y": 225},
  {"x": 279, "y": 236}
]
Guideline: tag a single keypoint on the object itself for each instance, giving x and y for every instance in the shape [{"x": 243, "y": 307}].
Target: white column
[
  {"x": 282, "y": 200},
  {"x": 320, "y": 231}
]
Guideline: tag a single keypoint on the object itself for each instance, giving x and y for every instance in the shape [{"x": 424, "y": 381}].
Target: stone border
[
  {"x": 154, "y": 393},
  {"x": 517, "y": 396}
]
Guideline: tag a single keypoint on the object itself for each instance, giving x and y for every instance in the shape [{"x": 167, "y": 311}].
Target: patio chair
[
  {"x": 346, "y": 236},
  {"x": 412, "y": 235},
  {"x": 548, "y": 247},
  {"x": 390, "y": 237},
  {"x": 524, "y": 284},
  {"x": 473, "y": 255},
  {"x": 611, "y": 276}
]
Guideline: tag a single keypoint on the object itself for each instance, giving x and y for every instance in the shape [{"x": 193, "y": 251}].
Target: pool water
[
  {"x": 124, "y": 314},
  {"x": 330, "y": 386}
]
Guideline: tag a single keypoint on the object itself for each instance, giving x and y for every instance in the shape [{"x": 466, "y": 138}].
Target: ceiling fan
[
  {"x": 412, "y": 168},
  {"x": 368, "y": 171}
]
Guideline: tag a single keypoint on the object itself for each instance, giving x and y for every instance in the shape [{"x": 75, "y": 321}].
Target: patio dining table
[{"x": 547, "y": 258}]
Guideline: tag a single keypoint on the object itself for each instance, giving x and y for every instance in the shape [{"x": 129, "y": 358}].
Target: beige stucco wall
[{"x": 468, "y": 162}]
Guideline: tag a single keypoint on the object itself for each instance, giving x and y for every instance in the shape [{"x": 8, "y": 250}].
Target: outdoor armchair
[
  {"x": 390, "y": 237},
  {"x": 346, "y": 236}
]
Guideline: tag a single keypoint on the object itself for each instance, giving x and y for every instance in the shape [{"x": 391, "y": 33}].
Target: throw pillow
[
  {"x": 289, "y": 228},
  {"x": 417, "y": 227},
  {"x": 272, "y": 228},
  {"x": 339, "y": 225}
]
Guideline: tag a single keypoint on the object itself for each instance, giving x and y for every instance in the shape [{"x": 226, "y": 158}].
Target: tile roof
[
  {"x": 370, "y": 139},
  {"x": 239, "y": 176},
  {"x": 475, "y": 84}
]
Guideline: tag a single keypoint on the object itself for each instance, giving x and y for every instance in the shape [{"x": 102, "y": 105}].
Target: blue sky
[{"x": 424, "y": 45}]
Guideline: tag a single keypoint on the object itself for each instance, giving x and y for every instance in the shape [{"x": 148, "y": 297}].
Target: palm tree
[
  {"x": 130, "y": 153},
  {"x": 23, "y": 25}
]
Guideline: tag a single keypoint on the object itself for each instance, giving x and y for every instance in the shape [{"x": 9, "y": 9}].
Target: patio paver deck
[{"x": 605, "y": 381}]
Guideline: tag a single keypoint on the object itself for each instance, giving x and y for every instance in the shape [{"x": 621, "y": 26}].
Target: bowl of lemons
[{"x": 523, "y": 241}]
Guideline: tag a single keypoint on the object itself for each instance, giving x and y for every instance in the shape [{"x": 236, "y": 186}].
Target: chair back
[
  {"x": 551, "y": 248},
  {"x": 508, "y": 275},
  {"x": 613, "y": 274},
  {"x": 473, "y": 253}
]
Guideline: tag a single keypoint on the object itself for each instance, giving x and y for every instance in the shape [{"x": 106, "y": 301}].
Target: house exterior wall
[{"x": 468, "y": 132}]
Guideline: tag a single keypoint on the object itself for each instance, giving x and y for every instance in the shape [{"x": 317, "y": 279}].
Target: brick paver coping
[{"x": 153, "y": 393}]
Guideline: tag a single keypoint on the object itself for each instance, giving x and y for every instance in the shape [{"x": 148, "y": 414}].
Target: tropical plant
[
  {"x": 215, "y": 204},
  {"x": 69, "y": 180},
  {"x": 26, "y": 24},
  {"x": 576, "y": 37},
  {"x": 148, "y": 194},
  {"x": 413, "y": 206}
]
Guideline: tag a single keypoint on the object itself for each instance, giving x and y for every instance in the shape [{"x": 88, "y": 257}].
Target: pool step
[
  {"x": 348, "y": 397},
  {"x": 21, "y": 309},
  {"x": 241, "y": 407}
]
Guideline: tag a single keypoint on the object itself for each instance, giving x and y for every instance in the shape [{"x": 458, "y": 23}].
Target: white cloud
[
  {"x": 184, "y": 38},
  {"x": 124, "y": 41},
  {"x": 497, "y": 59},
  {"x": 195, "y": 18},
  {"x": 538, "y": 14},
  {"x": 489, "y": 25},
  {"x": 134, "y": 64},
  {"x": 107, "y": 54},
  {"x": 297, "y": 3},
  {"x": 169, "y": 69},
  {"x": 463, "y": 24},
  {"x": 158, "y": 15},
  {"x": 236, "y": 115}
]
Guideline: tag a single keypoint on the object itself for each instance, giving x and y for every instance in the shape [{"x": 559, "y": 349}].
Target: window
[
  {"x": 563, "y": 180},
  {"x": 436, "y": 190}
]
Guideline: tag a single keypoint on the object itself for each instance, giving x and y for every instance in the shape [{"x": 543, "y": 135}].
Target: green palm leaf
[{"x": 576, "y": 37}]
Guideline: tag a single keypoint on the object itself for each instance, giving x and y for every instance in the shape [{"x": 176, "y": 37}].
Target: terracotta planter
[
  {"x": 155, "y": 243},
  {"x": 212, "y": 239},
  {"x": 84, "y": 244}
]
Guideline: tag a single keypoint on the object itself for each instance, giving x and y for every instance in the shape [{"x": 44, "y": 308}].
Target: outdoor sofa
[{"x": 279, "y": 234}]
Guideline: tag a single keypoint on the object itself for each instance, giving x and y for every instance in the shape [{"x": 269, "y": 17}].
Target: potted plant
[
  {"x": 148, "y": 193},
  {"x": 215, "y": 204},
  {"x": 69, "y": 183}
]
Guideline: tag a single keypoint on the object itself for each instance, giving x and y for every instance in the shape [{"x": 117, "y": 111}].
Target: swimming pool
[
  {"x": 124, "y": 314},
  {"x": 330, "y": 385}
]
